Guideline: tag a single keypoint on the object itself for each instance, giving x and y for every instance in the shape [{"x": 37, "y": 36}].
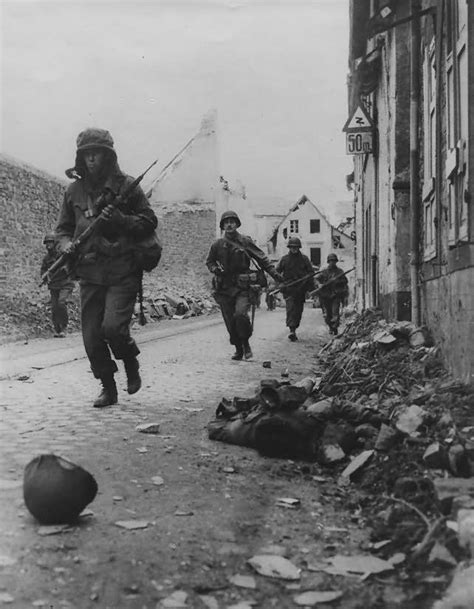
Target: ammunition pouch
[{"x": 251, "y": 279}]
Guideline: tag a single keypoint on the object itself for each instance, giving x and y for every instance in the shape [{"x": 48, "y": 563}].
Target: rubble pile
[
  {"x": 412, "y": 479},
  {"x": 165, "y": 305}
]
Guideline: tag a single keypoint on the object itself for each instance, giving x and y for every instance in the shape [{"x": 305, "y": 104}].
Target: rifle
[
  {"x": 314, "y": 292},
  {"x": 294, "y": 282},
  {"x": 115, "y": 200}
]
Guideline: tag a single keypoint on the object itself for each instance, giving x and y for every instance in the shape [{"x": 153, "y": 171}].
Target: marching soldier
[
  {"x": 107, "y": 264},
  {"x": 294, "y": 266},
  {"x": 235, "y": 282},
  {"x": 60, "y": 286},
  {"x": 331, "y": 296}
]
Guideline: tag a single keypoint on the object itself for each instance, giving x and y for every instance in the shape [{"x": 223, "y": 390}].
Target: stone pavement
[
  {"x": 50, "y": 410},
  {"x": 45, "y": 406}
]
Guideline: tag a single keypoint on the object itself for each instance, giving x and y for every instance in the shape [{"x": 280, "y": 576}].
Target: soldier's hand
[
  {"x": 111, "y": 212},
  {"x": 278, "y": 277},
  {"x": 67, "y": 248}
]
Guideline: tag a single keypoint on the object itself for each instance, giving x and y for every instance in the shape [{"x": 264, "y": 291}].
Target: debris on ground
[
  {"x": 389, "y": 422},
  {"x": 274, "y": 566}
]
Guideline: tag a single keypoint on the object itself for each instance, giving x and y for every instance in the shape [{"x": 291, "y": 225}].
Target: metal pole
[{"x": 414, "y": 163}]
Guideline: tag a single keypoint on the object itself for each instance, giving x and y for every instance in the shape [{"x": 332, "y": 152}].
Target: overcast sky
[{"x": 148, "y": 71}]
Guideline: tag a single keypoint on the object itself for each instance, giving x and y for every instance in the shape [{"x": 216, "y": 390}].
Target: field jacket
[{"x": 107, "y": 256}]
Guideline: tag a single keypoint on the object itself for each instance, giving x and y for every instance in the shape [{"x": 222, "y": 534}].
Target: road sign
[
  {"x": 359, "y": 121},
  {"x": 359, "y": 142}
]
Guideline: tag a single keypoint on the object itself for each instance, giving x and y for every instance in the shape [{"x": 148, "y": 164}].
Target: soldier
[
  {"x": 106, "y": 264},
  {"x": 60, "y": 286},
  {"x": 235, "y": 283},
  {"x": 294, "y": 266},
  {"x": 331, "y": 296}
]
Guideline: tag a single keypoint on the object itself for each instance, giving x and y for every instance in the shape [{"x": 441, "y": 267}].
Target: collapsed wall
[{"x": 30, "y": 204}]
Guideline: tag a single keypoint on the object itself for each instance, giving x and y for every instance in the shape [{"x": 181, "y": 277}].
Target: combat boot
[
  {"x": 292, "y": 335},
  {"x": 134, "y": 381},
  {"x": 239, "y": 353},
  {"x": 108, "y": 395},
  {"x": 247, "y": 350}
]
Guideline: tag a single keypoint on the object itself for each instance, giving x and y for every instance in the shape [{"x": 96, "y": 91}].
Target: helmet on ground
[
  {"x": 48, "y": 238},
  {"x": 55, "y": 490},
  {"x": 229, "y": 214},
  {"x": 293, "y": 242},
  {"x": 332, "y": 257},
  {"x": 94, "y": 138}
]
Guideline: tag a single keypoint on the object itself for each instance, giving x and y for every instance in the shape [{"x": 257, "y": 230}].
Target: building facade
[{"x": 411, "y": 72}]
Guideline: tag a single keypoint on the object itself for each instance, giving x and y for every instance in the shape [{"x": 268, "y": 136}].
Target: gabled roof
[{"x": 301, "y": 201}]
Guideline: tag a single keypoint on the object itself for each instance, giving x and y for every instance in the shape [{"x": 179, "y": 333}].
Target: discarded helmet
[
  {"x": 332, "y": 257},
  {"x": 94, "y": 138},
  {"x": 293, "y": 242},
  {"x": 48, "y": 238},
  {"x": 229, "y": 214},
  {"x": 55, "y": 490}
]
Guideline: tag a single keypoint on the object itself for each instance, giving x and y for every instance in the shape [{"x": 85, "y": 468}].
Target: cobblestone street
[{"x": 215, "y": 508}]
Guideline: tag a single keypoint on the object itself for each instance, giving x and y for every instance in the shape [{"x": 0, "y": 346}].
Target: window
[
  {"x": 315, "y": 256},
  {"x": 285, "y": 233},
  {"x": 429, "y": 147},
  {"x": 457, "y": 121},
  {"x": 294, "y": 226},
  {"x": 315, "y": 226}
]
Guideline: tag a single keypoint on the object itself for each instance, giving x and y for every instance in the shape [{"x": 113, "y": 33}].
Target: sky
[{"x": 148, "y": 72}]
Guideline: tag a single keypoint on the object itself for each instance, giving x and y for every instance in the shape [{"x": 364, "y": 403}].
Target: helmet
[
  {"x": 229, "y": 214},
  {"x": 94, "y": 138},
  {"x": 293, "y": 242},
  {"x": 332, "y": 257},
  {"x": 55, "y": 490},
  {"x": 49, "y": 237},
  {"x": 91, "y": 138}
]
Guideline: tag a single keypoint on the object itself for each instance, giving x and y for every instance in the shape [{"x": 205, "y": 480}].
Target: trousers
[
  {"x": 235, "y": 311},
  {"x": 59, "y": 313},
  {"x": 331, "y": 310},
  {"x": 294, "y": 309},
  {"x": 106, "y": 312}
]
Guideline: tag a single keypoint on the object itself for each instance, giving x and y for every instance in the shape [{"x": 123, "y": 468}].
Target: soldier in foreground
[
  {"x": 106, "y": 265},
  {"x": 236, "y": 283},
  {"x": 60, "y": 286},
  {"x": 295, "y": 266},
  {"x": 333, "y": 295}
]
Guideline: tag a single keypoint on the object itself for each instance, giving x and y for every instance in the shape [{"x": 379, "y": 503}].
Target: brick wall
[{"x": 30, "y": 201}]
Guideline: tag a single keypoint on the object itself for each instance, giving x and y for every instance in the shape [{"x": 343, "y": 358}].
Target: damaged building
[{"x": 410, "y": 132}]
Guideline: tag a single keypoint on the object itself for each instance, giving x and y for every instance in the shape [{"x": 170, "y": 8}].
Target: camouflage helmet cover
[
  {"x": 332, "y": 257},
  {"x": 229, "y": 214},
  {"x": 94, "y": 138},
  {"x": 294, "y": 242}
]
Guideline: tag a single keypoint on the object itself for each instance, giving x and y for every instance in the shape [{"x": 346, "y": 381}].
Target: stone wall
[{"x": 30, "y": 202}]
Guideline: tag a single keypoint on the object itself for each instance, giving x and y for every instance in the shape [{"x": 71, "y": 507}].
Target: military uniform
[
  {"x": 235, "y": 286},
  {"x": 294, "y": 266},
  {"x": 60, "y": 286},
  {"x": 333, "y": 295},
  {"x": 109, "y": 276}
]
